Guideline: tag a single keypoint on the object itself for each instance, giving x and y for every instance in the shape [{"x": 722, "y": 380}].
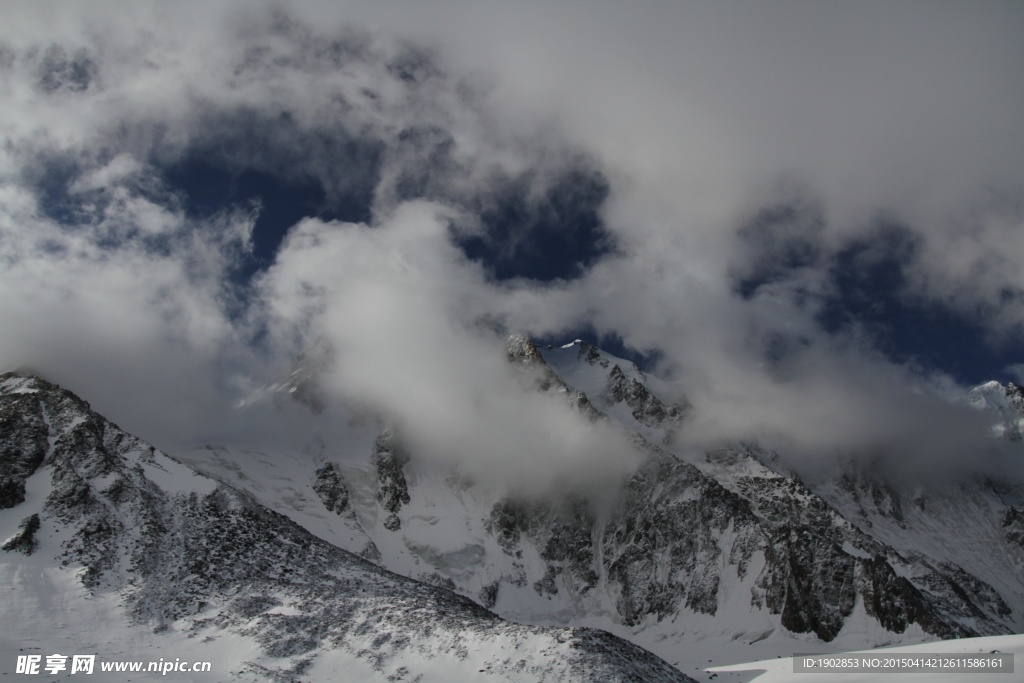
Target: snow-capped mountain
[
  {"x": 722, "y": 556},
  {"x": 726, "y": 555},
  {"x": 116, "y": 549}
]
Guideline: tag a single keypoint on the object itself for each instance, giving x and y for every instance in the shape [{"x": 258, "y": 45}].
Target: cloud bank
[{"x": 754, "y": 193}]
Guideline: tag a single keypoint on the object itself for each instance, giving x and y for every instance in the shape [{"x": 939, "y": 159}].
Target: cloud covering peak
[{"x": 810, "y": 213}]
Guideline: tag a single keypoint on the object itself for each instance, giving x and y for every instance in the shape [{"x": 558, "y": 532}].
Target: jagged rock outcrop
[
  {"x": 524, "y": 354},
  {"x": 666, "y": 543},
  {"x": 332, "y": 491},
  {"x": 676, "y": 535},
  {"x": 647, "y": 408},
  {"x": 590, "y": 355},
  {"x": 521, "y": 350},
  {"x": 23, "y": 437},
  {"x": 24, "y": 540},
  {"x": 389, "y": 457}
]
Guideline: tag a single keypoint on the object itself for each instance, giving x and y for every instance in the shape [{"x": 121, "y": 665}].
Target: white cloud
[
  {"x": 1017, "y": 370},
  {"x": 403, "y": 310},
  {"x": 694, "y": 113},
  {"x": 132, "y": 329}
]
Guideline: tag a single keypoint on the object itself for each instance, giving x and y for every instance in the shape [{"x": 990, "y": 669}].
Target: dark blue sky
[
  {"x": 283, "y": 202},
  {"x": 866, "y": 288},
  {"x": 869, "y": 279}
]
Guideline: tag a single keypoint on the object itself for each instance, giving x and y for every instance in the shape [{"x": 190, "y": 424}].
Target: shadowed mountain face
[{"x": 181, "y": 560}]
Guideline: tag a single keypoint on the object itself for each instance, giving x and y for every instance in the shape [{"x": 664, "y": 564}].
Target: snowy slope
[{"x": 112, "y": 548}]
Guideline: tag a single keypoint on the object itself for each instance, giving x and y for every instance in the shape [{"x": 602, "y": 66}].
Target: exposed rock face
[
  {"x": 23, "y": 437},
  {"x": 1013, "y": 526},
  {"x": 507, "y": 519},
  {"x": 894, "y": 601},
  {"x": 666, "y": 543},
  {"x": 389, "y": 457},
  {"x": 24, "y": 541},
  {"x": 810, "y": 582},
  {"x": 12, "y": 492},
  {"x": 591, "y": 355},
  {"x": 520, "y": 349},
  {"x": 199, "y": 554},
  {"x": 869, "y": 493},
  {"x": 1015, "y": 397},
  {"x": 647, "y": 408},
  {"x": 524, "y": 354},
  {"x": 489, "y": 594},
  {"x": 331, "y": 489},
  {"x": 676, "y": 535}
]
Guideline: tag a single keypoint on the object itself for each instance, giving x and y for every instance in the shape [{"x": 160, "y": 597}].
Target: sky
[{"x": 808, "y": 215}]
